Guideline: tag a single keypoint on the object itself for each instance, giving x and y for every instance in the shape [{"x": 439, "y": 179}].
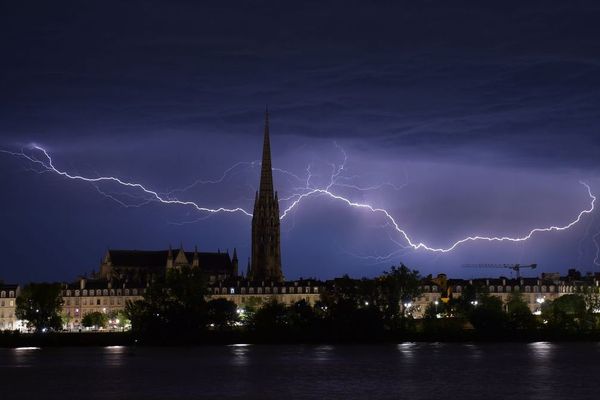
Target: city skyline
[{"x": 467, "y": 135}]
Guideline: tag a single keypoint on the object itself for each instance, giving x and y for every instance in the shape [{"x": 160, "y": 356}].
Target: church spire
[
  {"x": 266, "y": 174},
  {"x": 266, "y": 249}
]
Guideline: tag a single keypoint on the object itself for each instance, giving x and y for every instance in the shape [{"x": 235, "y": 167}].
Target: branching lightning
[{"x": 299, "y": 194}]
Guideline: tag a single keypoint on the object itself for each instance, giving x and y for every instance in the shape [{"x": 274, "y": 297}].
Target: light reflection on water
[{"x": 407, "y": 370}]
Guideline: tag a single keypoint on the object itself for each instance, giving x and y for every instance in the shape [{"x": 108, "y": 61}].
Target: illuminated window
[
  {"x": 3, "y": 294},
  {"x": 232, "y": 291},
  {"x": 491, "y": 289}
]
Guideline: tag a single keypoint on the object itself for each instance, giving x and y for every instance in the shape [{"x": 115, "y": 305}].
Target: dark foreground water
[{"x": 405, "y": 371}]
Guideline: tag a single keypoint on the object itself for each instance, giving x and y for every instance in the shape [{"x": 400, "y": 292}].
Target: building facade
[
  {"x": 246, "y": 293},
  {"x": 88, "y": 296},
  {"x": 534, "y": 291},
  {"x": 8, "y": 306}
]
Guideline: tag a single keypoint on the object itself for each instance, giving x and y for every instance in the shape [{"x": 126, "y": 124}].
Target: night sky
[{"x": 459, "y": 118}]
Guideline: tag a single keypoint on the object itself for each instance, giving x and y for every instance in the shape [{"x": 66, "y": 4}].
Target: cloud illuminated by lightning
[{"x": 307, "y": 191}]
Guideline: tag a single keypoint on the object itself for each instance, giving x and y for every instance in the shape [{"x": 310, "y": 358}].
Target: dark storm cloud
[{"x": 503, "y": 85}]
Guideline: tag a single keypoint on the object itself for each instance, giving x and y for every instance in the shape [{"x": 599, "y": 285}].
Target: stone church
[{"x": 141, "y": 266}]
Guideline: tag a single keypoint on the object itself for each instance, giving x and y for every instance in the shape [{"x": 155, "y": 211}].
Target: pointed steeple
[
  {"x": 266, "y": 250},
  {"x": 266, "y": 173}
]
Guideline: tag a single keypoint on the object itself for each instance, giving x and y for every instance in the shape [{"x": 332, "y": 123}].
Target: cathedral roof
[{"x": 152, "y": 259}]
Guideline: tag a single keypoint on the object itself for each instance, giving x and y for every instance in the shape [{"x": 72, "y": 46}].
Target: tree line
[{"x": 381, "y": 308}]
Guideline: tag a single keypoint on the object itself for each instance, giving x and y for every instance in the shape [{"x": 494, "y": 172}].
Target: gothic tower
[{"x": 266, "y": 251}]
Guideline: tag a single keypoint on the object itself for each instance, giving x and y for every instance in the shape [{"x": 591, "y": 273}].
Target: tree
[
  {"x": 487, "y": 316},
  {"x": 222, "y": 313},
  {"x": 566, "y": 313},
  {"x": 95, "y": 320},
  {"x": 519, "y": 314},
  {"x": 174, "y": 305},
  {"x": 397, "y": 288},
  {"x": 40, "y": 304},
  {"x": 270, "y": 319}
]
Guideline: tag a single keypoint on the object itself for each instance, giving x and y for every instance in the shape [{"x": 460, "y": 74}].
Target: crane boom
[{"x": 515, "y": 267}]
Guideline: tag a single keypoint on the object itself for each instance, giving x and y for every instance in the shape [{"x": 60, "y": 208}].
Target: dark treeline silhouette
[
  {"x": 176, "y": 310},
  {"x": 377, "y": 309}
]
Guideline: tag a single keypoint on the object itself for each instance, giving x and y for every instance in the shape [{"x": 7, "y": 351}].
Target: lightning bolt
[
  {"x": 48, "y": 165},
  {"x": 305, "y": 192}
]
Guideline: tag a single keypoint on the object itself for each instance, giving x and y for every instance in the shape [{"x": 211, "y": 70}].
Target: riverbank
[{"x": 82, "y": 339}]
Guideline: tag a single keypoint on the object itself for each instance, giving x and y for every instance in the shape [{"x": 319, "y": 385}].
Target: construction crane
[{"x": 515, "y": 267}]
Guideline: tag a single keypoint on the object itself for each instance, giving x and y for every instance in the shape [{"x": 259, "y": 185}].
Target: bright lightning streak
[
  {"x": 310, "y": 191},
  {"x": 49, "y": 165},
  {"x": 423, "y": 246}
]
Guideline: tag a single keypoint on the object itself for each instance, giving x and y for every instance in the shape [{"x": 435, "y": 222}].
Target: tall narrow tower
[{"x": 266, "y": 250}]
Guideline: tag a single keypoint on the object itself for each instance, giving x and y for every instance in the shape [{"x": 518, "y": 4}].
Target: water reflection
[
  {"x": 541, "y": 350},
  {"x": 322, "y": 353},
  {"x": 114, "y": 356},
  {"x": 240, "y": 354},
  {"x": 407, "y": 349}
]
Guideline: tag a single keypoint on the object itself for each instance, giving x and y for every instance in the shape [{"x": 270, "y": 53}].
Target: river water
[{"x": 405, "y": 371}]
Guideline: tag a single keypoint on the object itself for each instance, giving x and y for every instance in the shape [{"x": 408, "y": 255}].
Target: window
[
  {"x": 85, "y": 292},
  {"x": 232, "y": 291},
  {"x": 434, "y": 288},
  {"x": 126, "y": 292},
  {"x": 112, "y": 292},
  {"x": 119, "y": 292},
  {"x": 251, "y": 290},
  {"x": 536, "y": 289},
  {"x": 291, "y": 290},
  {"x": 134, "y": 292},
  {"x": 259, "y": 290},
  {"x": 105, "y": 292},
  {"x": 275, "y": 290},
  {"x": 68, "y": 292},
  {"x": 491, "y": 289},
  {"x": 97, "y": 302},
  {"x": 267, "y": 290},
  {"x": 77, "y": 293},
  {"x": 3, "y": 294},
  {"x": 243, "y": 290},
  {"x": 508, "y": 288},
  {"x": 500, "y": 289},
  {"x": 527, "y": 289},
  {"x": 316, "y": 290},
  {"x": 283, "y": 290}
]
